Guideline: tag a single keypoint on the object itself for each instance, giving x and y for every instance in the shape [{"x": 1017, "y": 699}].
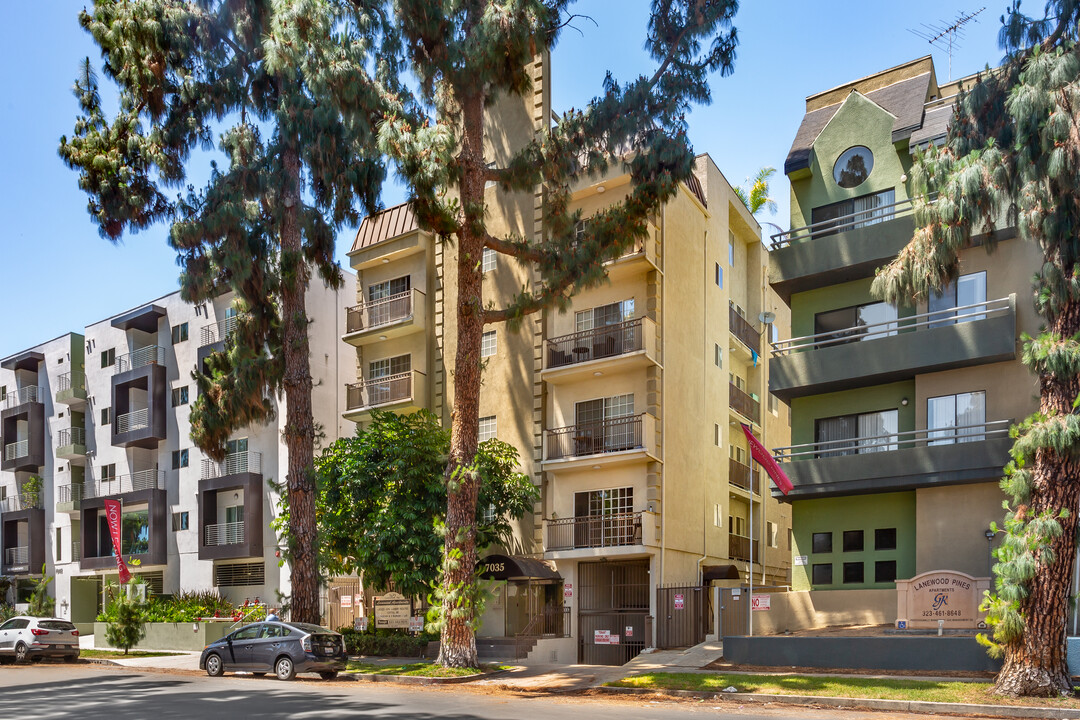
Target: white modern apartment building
[{"x": 104, "y": 415}]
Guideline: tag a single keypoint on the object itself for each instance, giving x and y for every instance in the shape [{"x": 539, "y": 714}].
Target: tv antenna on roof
[{"x": 944, "y": 35}]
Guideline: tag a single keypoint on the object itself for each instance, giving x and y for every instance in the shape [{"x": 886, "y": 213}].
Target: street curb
[
  {"x": 419, "y": 680},
  {"x": 913, "y": 706}
]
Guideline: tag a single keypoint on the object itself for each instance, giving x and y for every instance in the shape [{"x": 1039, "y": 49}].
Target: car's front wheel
[
  {"x": 328, "y": 675},
  {"x": 284, "y": 668},
  {"x": 214, "y": 666},
  {"x": 22, "y": 652}
]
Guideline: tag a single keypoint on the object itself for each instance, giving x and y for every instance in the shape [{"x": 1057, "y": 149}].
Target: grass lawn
[
  {"x": 120, "y": 654},
  {"x": 847, "y": 687},
  {"x": 418, "y": 669}
]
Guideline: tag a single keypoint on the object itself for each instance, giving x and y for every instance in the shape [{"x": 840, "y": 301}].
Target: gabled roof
[{"x": 390, "y": 223}]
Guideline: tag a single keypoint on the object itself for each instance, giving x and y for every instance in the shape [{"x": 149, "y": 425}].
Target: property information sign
[
  {"x": 392, "y": 610},
  {"x": 951, "y": 598}
]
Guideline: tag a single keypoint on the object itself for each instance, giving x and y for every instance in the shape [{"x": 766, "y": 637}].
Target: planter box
[{"x": 172, "y": 636}]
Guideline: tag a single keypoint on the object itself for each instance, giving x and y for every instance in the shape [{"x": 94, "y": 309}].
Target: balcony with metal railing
[
  {"x": 894, "y": 350},
  {"x": 22, "y": 501},
  {"x": 897, "y": 461},
  {"x": 140, "y": 480},
  {"x": 621, "y": 346},
  {"x": 743, "y": 403},
  {"x": 76, "y": 551},
  {"x": 594, "y": 531},
  {"x": 739, "y": 548},
  {"x": 71, "y": 388},
  {"x": 744, "y": 331},
  {"x": 224, "y": 534},
  {"x": 148, "y": 355},
  {"x": 234, "y": 464},
  {"x": 613, "y": 441},
  {"x": 19, "y": 555},
  {"x": 743, "y": 476},
  {"x": 71, "y": 443},
  {"x": 20, "y": 396},
  {"x": 132, "y": 421},
  {"x": 404, "y": 392},
  {"x": 839, "y": 249},
  {"x": 22, "y": 427},
  {"x": 16, "y": 450},
  {"x": 385, "y": 318},
  {"x": 69, "y": 498},
  {"x": 219, "y": 331}
]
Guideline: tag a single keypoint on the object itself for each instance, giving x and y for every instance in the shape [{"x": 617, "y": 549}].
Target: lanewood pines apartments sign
[{"x": 941, "y": 595}]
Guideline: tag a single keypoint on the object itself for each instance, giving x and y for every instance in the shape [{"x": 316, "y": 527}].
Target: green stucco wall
[
  {"x": 858, "y": 122},
  {"x": 805, "y": 305},
  {"x": 861, "y": 512},
  {"x": 804, "y": 411}
]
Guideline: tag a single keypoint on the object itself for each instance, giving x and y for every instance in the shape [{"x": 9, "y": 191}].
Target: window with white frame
[
  {"x": 487, "y": 263},
  {"x": 594, "y": 503},
  {"x": 597, "y": 317},
  {"x": 389, "y": 366},
  {"x": 489, "y": 344},
  {"x": 388, "y": 288},
  {"x": 489, "y": 428},
  {"x": 605, "y": 425}
]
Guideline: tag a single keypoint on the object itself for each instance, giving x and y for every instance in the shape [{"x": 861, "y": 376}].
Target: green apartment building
[{"x": 900, "y": 415}]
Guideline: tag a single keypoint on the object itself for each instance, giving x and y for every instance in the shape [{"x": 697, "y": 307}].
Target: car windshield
[{"x": 314, "y": 629}]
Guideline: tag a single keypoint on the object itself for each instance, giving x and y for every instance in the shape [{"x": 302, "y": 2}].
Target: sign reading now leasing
[{"x": 392, "y": 610}]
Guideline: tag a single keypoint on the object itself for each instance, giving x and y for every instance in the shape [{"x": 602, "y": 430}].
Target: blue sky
[{"x": 58, "y": 275}]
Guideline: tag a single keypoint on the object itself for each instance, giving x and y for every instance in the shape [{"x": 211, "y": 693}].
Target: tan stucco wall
[
  {"x": 804, "y": 610},
  {"x": 939, "y": 525}
]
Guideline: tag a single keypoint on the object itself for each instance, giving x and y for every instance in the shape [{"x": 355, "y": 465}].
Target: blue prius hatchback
[{"x": 278, "y": 647}]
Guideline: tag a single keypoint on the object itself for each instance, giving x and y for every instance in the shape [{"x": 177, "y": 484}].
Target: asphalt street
[{"x": 91, "y": 692}]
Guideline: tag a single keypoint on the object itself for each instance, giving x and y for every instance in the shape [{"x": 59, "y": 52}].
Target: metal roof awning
[
  {"x": 720, "y": 572},
  {"x": 507, "y": 567},
  {"x": 24, "y": 361},
  {"x": 144, "y": 319}
]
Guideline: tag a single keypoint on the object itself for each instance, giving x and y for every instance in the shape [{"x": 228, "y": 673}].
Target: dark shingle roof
[
  {"x": 390, "y": 223},
  {"x": 934, "y": 127}
]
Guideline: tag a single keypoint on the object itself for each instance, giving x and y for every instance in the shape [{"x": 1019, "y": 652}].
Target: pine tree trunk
[
  {"x": 1036, "y": 664},
  {"x": 299, "y": 424},
  {"x": 458, "y": 642}
]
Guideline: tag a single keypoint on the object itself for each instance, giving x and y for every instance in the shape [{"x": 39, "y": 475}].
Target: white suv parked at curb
[{"x": 29, "y": 638}]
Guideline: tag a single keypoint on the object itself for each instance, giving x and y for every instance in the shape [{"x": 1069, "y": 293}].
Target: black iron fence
[
  {"x": 602, "y": 342},
  {"x": 594, "y": 531},
  {"x": 604, "y": 436}
]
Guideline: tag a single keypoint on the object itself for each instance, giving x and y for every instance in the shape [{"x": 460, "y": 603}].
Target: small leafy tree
[
  {"x": 128, "y": 626},
  {"x": 755, "y": 195},
  {"x": 31, "y": 490},
  {"x": 41, "y": 603}
]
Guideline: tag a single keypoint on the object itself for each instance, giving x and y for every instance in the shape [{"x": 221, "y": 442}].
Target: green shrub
[
  {"x": 7, "y": 611},
  {"x": 183, "y": 607},
  {"x": 391, "y": 643},
  {"x": 129, "y": 624}
]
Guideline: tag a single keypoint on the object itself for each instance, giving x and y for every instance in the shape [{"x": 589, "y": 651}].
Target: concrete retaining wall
[
  {"x": 172, "y": 636},
  {"x": 926, "y": 653},
  {"x": 808, "y": 609}
]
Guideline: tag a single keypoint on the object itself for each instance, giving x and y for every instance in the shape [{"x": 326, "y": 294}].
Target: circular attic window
[{"x": 853, "y": 166}]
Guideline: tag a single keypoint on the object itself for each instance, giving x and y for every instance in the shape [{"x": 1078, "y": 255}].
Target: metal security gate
[
  {"x": 682, "y": 613},
  {"x": 734, "y": 612},
  {"x": 342, "y": 606},
  {"x": 613, "y": 611}
]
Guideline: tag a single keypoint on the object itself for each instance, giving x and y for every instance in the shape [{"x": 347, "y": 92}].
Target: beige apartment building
[{"x": 625, "y": 409}]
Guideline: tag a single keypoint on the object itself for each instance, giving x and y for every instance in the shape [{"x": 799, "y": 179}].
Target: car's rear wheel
[
  {"x": 214, "y": 666},
  {"x": 284, "y": 668},
  {"x": 328, "y": 675},
  {"x": 21, "y": 652}
]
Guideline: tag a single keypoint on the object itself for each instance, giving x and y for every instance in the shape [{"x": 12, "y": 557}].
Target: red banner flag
[
  {"x": 112, "y": 516},
  {"x": 766, "y": 460}
]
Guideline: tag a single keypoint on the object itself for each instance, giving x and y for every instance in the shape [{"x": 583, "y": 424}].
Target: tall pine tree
[
  {"x": 1012, "y": 158},
  {"x": 467, "y": 55},
  {"x": 283, "y": 90}
]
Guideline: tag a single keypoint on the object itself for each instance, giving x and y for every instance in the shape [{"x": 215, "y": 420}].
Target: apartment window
[
  {"x": 580, "y": 229},
  {"x": 853, "y": 540},
  {"x": 852, "y": 324},
  {"x": 58, "y": 545},
  {"x": 967, "y": 290},
  {"x": 389, "y": 366},
  {"x": 885, "y": 571},
  {"x": 106, "y": 416},
  {"x": 718, "y": 355},
  {"x": 885, "y": 539},
  {"x": 179, "y": 333},
  {"x": 487, "y": 263},
  {"x": 179, "y": 521},
  {"x": 737, "y": 525},
  {"x": 3, "y": 393},
  {"x": 822, "y": 574},
  {"x": 489, "y": 344},
  {"x": 240, "y": 575},
  {"x": 853, "y": 166},
  {"x": 719, "y": 276},
  {"x": 108, "y": 357},
  {"x": 234, "y": 447},
  {"x": 731, "y": 249},
  {"x": 615, "y": 501},
  {"x": 388, "y": 288},
  {"x": 956, "y": 418},
  {"x": 487, "y": 515},
  {"x": 716, "y": 434},
  {"x": 774, "y": 333},
  {"x": 180, "y": 396},
  {"x": 489, "y": 428},
  {"x": 853, "y": 573},
  {"x": 179, "y": 459},
  {"x": 718, "y": 515},
  {"x": 822, "y": 542},
  {"x": 857, "y": 434},
  {"x": 737, "y": 453},
  {"x": 854, "y": 213},
  {"x": 108, "y": 472},
  {"x": 604, "y": 315},
  {"x": 772, "y": 533}
]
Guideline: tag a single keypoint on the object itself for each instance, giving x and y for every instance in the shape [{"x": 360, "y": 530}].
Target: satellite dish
[{"x": 767, "y": 318}]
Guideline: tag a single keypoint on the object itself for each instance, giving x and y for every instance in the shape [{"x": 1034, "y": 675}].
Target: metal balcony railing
[
  {"x": 21, "y": 501},
  {"x": 549, "y": 622},
  {"x": 73, "y": 379},
  {"x": 139, "y": 480},
  {"x": 134, "y": 420},
  {"x": 744, "y": 330},
  {"x": 76, "y": 551},
  {"x": 224, "y": 534},
  {"x": 739, "y": 548},
  {"x": 602, "y": 342},
  {"x": 382, "y": 312},
  {"x": 218, "y": 331},
  {"x": 922, "y": 321},
  {"x": 149, "y": 355},
  {"x": 743, "y": 403},
  {"x": 70, "y": 493},
  {"x": 743, "y": 476},
  {"x": 593, "y": 531},
  {"x": 30, "y": 393},
  {"x": 16, "y": 555},
  {"x": 380, "y": 391},
  {"x": 605, "y": 436},
  {"x": 15, "y": 450},
  {"x": 71, "y": 436},
  {"x": 852, "y": 221},
  {"x": 233, "y": 464},
  {"x": 895, "y": 441}
]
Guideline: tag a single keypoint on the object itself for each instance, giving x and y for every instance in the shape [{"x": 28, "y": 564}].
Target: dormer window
[{"x": 853, "y": 166}]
